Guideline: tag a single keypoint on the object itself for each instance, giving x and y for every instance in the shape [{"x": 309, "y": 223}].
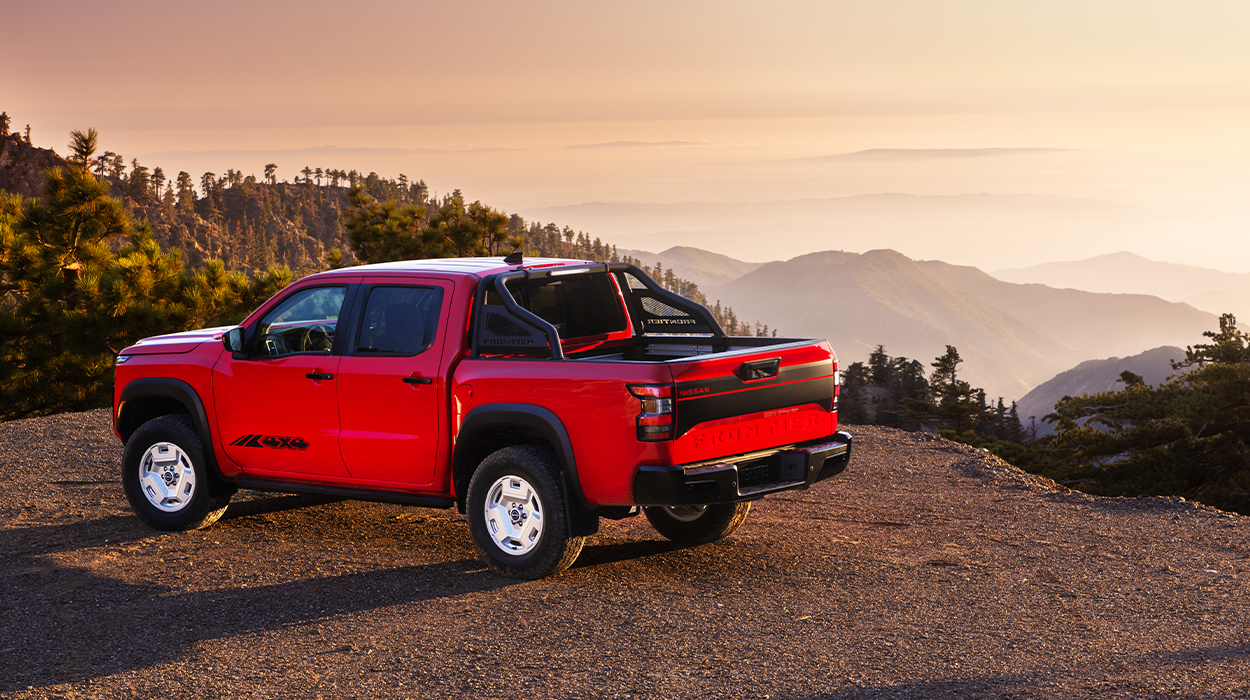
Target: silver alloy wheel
[
  {"x": 685, "y": 514},
  {"x": 514, "y": 515},
  {"x": 167, "y": 477}
]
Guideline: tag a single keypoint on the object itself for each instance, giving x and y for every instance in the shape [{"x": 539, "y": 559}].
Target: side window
[
  {"x": 399, "y": 321},
  {"x": 581, "y": 306},
  {"x": 303, "y": 322}
]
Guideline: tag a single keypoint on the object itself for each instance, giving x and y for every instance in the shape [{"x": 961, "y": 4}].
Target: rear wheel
[
  {"x": 691, "y": 525},
  {"x": 165, "y": 477},
  {"x": 517, "y": 514}
]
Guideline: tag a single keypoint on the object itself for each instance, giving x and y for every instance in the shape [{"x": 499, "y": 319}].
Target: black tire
[
  {"x": 165, "y": 477},
  {"x": 517, "y": 514},
  {"x": 691, "y": 525}
]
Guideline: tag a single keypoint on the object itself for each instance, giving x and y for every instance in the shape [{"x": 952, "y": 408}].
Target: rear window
[{"x": 578, "y": 306}]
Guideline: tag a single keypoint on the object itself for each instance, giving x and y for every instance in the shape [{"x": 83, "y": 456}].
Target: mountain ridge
[
  {"x": 1011, "y": 337},
  {"x": 1093, "y": 376},
  {"x": 1215, "y": 291}
]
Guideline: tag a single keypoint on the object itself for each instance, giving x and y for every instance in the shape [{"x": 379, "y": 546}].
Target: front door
[
  {"x": 277, "y": 410},
  {"x": 389, "y": 383}
]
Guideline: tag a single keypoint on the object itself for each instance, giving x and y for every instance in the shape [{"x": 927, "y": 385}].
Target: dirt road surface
[{"x": 927, "y": 570}]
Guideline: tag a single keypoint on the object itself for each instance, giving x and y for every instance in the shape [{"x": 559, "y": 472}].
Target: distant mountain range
[
  {"x": 1206, "y": 289},
  {"x": 993, "y": 223},
  {"x": 1093, "y": 376},
  {"x": 702, "y": 267},
  {"x": 1012, "y": 337}
]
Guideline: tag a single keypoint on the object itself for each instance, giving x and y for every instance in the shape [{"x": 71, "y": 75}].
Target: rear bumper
[{"x": 746, "y": 478}]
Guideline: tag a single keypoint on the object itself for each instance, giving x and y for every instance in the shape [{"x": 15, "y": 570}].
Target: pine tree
[
  {"x": 4, "y": 124},
  {"x": 82, "y": 283},
  {"x": 952, "y": 401},
  {"x": 139, "y": 183},
  {"x": 1188, "y": 436},
  {"x": 82, "y": 146},
  {"x": 186, "y": 193},
  {"x": 117, "y": 166},
  {"x": 207, "y": 183},
  {"x": 158, "y": 182},
  {"x": 853, "y": 394},
  {"x": 879, "y": 367}
]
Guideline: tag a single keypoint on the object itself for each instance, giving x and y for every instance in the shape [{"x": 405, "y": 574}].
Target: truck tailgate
[{"x": 743, "y": 401}]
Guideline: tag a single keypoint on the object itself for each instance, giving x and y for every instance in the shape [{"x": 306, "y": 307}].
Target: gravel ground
[{"x": 928, "y": 569}]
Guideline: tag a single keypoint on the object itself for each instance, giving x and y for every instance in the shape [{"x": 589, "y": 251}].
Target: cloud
[{"x": 637, "y": 144}]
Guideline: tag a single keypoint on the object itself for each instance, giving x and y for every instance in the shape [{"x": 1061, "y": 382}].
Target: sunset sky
[{"x": 542, "y": 108}]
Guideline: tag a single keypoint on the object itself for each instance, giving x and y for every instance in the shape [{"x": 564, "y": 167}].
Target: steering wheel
[{"x": 317, "y": 338}]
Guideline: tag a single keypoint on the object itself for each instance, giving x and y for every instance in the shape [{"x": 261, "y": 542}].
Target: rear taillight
[
  {"x": 655, "y": 422},
  {"x": 837, "y": 384}
]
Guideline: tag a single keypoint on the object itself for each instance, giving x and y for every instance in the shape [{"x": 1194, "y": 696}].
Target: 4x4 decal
[{"x": 277, "y": 442}]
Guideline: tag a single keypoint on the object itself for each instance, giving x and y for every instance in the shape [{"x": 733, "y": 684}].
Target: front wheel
[
  {"x": 691, "y": 525},
  {"x": 164, "y": 476},
  {"x": 517, "y": 516}
]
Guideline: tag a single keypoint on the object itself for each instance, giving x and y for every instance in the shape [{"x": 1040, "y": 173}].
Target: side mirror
[{"x": 233, "y": 339}]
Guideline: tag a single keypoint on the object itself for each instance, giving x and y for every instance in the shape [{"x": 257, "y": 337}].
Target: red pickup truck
[{"x": 537, "y": 396}]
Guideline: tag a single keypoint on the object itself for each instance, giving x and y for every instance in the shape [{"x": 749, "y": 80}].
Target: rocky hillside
[{"x": 22, "y": 165}]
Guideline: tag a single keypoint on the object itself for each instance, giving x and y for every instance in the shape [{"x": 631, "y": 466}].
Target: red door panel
[
  {"x": 277, "y": 409},
  {"x": 390, "y": 390},
  {"x": 273, "y": 418}
]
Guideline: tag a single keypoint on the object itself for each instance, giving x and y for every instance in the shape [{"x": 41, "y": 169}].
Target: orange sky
[{"x": 1159, "y": 92}]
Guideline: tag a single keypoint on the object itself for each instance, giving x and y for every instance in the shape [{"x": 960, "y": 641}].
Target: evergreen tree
[
  {"x": 4, "y": 124},
  {"x": 384, "y": 232},
  {"x": 207, "y": 183},
  {"x": 158, "y": 182},
  {"x": 879, "y": 367},
  {"x": 82, "y": 146},
  {"x": 82, "y": 282},
  {"x": 1015, "y": 429},
  {"x": 139, "y": 183},
  {"x": 186, "y": 193},
  {"x": 952, "y": 400},
  {"x": 853, "y": 394},
  {"x": 117, "y": 166},
  {"x": 1189, "y": 436}
]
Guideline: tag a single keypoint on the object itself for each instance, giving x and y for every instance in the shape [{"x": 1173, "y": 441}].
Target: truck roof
[{"x": 479, "y": 267}]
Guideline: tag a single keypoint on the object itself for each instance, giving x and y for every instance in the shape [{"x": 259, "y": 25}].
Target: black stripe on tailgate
[{"x": 724, "y": 397}]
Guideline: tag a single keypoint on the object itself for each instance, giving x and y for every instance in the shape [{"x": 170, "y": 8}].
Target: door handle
[
  {"x": 418, "y": 380},
  {"x": 759, "y": 369},
  {"x": 319, "y": 375}
]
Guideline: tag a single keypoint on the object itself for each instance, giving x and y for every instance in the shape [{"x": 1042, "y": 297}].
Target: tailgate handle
[{"x": 759, "y": 369}]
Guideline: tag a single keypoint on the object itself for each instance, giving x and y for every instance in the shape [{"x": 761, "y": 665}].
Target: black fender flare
[
  {"x": 537, "y": 418},
  {"x": 184, "y": 394}
]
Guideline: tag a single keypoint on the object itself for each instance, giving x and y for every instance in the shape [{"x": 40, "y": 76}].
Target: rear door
[{"x": 391, "y": 392}]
